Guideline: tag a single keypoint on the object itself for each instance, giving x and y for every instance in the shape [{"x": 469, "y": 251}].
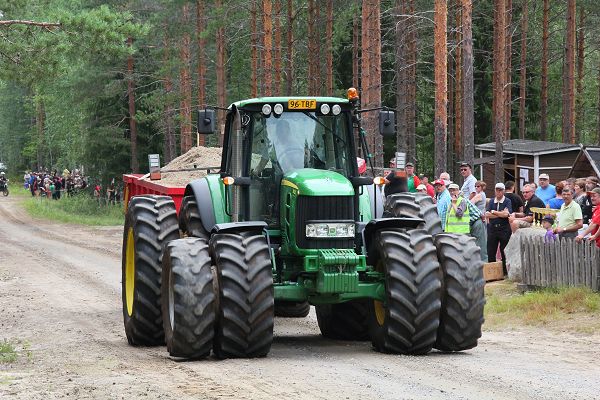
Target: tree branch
[{"x": 23, "y": 22}]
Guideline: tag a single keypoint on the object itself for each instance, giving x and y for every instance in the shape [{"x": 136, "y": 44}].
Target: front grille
[{"x": 323, "y": 208}]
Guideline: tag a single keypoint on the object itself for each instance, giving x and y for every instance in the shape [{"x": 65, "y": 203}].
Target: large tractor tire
[
  {"x": 150, "y": 223},
  {"x": 344, "y": 321},
  {"x": 189, "y": 301},
  {"x": 244, "y": 326},
  {"x": 292, "y": 309},
  {"x": 190, "y": 222},
  {"x": 462, "y": 297},
  {"x": 408, "y": 321},
  {"x": 414, "y": 206}
]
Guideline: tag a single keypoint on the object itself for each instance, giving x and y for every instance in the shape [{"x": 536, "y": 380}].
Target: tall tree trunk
[
  {"x": 598, "y": 110},
  {"x": 185, "y": 83},
  {"x": 253, "y": 51},
  {"x": 40, "y": 125},
  {"x": 411, "y": 82},
  {"x": 371, "y": 75},
  {"x": 568, "y": 115},
  {"x": 268, "y": 47},
  {"x": 277, "y": 55},
  {"x": 201, "y": 43},
  {"x": 169, "y": 145},
  {"x": 508, "y": 66},
  {"x": 290, "y": 48},
  {"x": 356, "y": 45},
  {"x": 401, "y": 76},
  {"x": 220, "y": 69},
  {"x": 498, "y": 86},
  {"x": 132, "y": 124},
  {"x": 440, "y": 21},
  {"x": 468, "y": 110},
  {"x": 523, "y": 72},
  {"x": 314, "y": 62},
  {"x": 458, "y": 78},
  {"x": 580, "y": 64},
  {"x": 329, "y": 48},
  {"x": 544, "y": 88}
]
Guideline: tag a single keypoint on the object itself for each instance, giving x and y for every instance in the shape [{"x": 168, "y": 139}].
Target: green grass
[
  {"x": 81, "y": 209},
  {"x": 572, "y": 309},
  {"x": 8, "y": 353}
]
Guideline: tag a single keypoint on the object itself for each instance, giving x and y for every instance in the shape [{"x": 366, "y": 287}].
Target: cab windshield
[
  {"x": 292, "y": 141},
  {"x": 298, "y": 140}
]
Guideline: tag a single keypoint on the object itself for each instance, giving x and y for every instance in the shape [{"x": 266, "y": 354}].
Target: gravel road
[{"x": 60, "y": 299}]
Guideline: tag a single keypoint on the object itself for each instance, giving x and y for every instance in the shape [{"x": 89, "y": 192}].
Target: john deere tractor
[{"x": 288, "y": 223}]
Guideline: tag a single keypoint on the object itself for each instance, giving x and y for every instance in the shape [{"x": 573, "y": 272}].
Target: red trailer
[{"x": 134, "y": 186}]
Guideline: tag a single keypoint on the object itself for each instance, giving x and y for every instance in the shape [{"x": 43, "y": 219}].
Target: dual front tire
[{"x": 220, "y": 296}]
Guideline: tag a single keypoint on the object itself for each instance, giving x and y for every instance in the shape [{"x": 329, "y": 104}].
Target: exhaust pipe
[{"x": 236, "y": 165}]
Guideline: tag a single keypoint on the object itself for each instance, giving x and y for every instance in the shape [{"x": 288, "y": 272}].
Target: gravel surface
[{"x": 60, "y": 300}]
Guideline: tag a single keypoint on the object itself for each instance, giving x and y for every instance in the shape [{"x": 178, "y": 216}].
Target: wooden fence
[{"x": 562, "y": 263}]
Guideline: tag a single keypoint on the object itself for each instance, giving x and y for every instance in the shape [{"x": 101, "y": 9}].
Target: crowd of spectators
[{"x": 573, "y": 208}]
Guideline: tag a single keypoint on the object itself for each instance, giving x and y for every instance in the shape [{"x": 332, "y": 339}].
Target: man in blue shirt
[
  {"x": 545, "y": 191},
  {"x": 443, "y": 200}
]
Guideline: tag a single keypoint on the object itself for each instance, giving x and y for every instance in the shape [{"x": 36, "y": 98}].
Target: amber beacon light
[{"x": 352, "y": 94}]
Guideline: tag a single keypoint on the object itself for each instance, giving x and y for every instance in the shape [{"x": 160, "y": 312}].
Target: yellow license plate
[{"x": 302, "y": 104}]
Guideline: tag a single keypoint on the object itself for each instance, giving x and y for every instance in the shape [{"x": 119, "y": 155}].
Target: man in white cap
[
  {"x": 545, "y": 190},
  {"x": 464, "y": 217},
  {"x": 498, "y": 211}
]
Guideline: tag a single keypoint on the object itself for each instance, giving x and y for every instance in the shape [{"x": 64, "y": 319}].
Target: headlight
[
  {"x": 278, "y": 109},
  {"x": 266, "y": 109},
  {"x": 325, "y": 109},
  {"x": 336, "y": 109},
  {"x": 328, "y": 230}
]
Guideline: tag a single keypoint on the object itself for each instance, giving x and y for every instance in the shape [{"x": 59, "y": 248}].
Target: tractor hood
[{"x": 318, "y": 182}]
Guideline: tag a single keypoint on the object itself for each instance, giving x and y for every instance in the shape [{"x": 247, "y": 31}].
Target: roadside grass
[
  {"x": 80, "y": 209},
  {"x": 8, "y": 353},
  {"x": 18, "y": 191},
  {"x": 565, "y": 309}
]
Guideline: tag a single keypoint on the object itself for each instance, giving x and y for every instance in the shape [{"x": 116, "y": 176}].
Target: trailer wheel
[
  {"x": 190, "y": 222},
  {"x": 150, "y": 223},
  {"x": 407, "y": 322},
  {"x": 244, "y": 326},
  {"x": 188, "y": 298},
  {"x": 414, "y": 206},
  {"x": 344, "y": 321},
  {"x": 292, "y": 309},
  {"x": 463, "y": 297}
]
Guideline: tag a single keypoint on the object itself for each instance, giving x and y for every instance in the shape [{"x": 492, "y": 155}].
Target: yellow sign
[{"x": 302, "y": 104}]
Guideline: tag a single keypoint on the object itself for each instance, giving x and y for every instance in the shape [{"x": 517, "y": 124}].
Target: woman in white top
[{"x": 480, "y": 200}]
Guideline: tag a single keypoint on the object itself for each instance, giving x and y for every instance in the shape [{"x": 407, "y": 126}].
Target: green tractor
[{"x": 287, "y": 223}]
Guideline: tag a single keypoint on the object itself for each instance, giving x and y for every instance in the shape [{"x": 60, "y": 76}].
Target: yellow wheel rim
[
  {"x": 378, "y": 306},
  {"x": 379, "y": 312},
  {"x": 130, "y": 272}
]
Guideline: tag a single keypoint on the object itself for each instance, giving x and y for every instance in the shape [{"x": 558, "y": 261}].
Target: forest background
[{"x": 101, "y": 84}]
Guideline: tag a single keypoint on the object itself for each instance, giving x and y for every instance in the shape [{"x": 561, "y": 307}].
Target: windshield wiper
[{"x": 309, "y": 115}]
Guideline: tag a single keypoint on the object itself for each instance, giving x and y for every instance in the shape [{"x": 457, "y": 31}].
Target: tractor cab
[{"x": 272, "y": 142}]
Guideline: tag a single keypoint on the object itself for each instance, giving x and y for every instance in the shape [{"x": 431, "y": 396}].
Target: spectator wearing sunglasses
[
  {"x": 468, "y": 187},
  {"x": 525, "y": 219}
]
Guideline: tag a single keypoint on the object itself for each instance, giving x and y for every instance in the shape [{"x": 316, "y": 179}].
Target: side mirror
[
  {"x": 206, "y": 121},
  {"x": 387, "y": 123}
]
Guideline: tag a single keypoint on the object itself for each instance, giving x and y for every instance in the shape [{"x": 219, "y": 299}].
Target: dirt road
[{"x": 60, "y": 301}]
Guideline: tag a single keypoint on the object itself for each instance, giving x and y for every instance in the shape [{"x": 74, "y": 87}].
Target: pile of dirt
[{"x": 189, "y": 166}]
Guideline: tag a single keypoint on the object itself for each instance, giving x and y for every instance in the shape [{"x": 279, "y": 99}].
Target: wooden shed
[
  {"x": 587, "y": 163},
  {"x": 525, "y": 160}
]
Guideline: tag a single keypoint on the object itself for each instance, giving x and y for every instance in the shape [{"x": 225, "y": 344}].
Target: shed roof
[
  {"x": 529, "y": 147},
  {"x": 587, "y": 163}
]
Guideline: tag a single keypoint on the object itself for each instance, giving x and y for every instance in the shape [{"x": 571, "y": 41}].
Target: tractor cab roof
[{"x": 262, "y": 100}]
